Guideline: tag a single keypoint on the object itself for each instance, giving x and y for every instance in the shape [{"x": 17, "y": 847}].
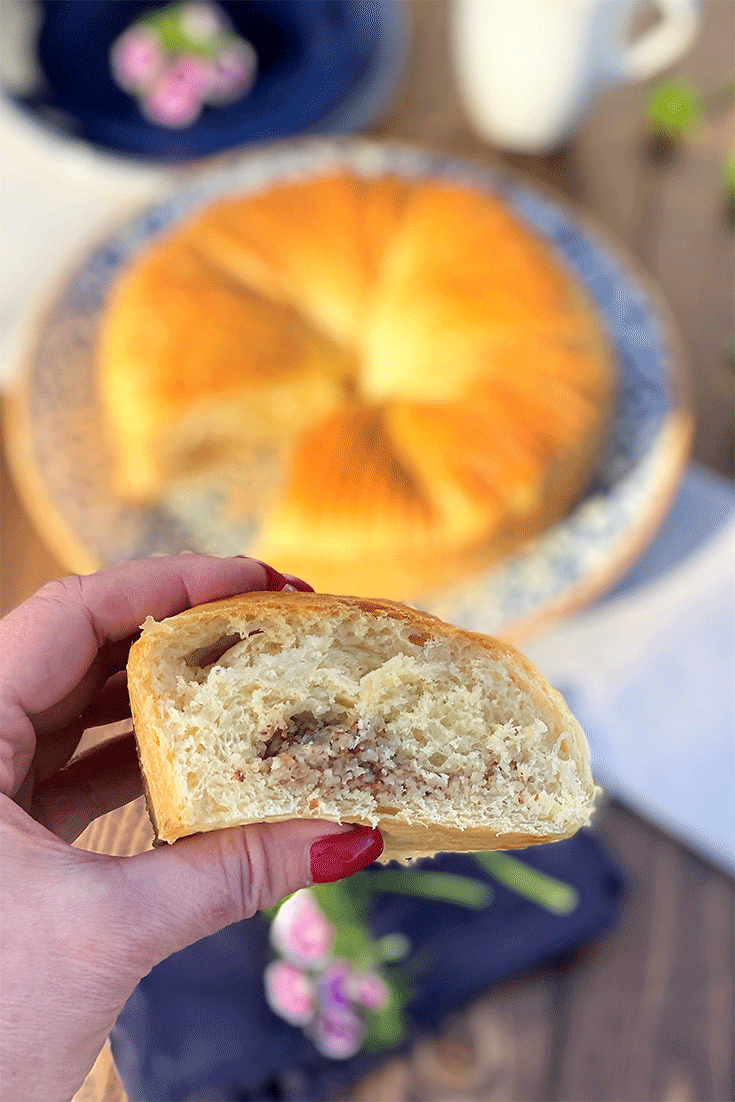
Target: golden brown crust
[
  {"x": 162, "y": 795},
  {"x": 302, "y": 242},
  {"x": 408, "y": 840}
]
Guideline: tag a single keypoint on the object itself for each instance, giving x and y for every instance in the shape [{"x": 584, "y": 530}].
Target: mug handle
[{"x": 663, "y": 44}]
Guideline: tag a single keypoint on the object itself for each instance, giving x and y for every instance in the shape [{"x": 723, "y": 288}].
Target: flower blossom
[
  {"x": 176, "y": 97},
  {"x": 301, "y": 932},
  {"x": 327, "y": 997},
  {"x": 136, "y": 58},
  {"x": 210, "y": 64},
  {"x": 332, "y": 984},
  {"x": 368, "y": 989},
  {"x": 338, "y": 1032},
  {"x": 289, "y": 992},
  {"x": 233, "y": 72}
]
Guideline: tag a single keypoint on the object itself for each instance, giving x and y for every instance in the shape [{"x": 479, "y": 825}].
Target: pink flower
[
  {"x": 191, "y": 73},
  {"x": 136, "y": 58},
  {"x": 176, "y": 97},
  {"x": 332, "y": 984},
  {"x": 301, "y": 932},
  {"x": 289, "y": 992},
  {"x": 171, "y": 103},
  {"x": 233, "y": 72},
  {"x": 368, "y": 989},
  {"x": 338, "y": 1033}
]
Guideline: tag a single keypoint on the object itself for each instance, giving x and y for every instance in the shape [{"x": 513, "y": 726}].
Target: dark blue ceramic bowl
[{"x": 314, "y": 57}]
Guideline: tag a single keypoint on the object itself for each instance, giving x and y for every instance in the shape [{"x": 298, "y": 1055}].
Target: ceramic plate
[{"x": 59, "y": 454}]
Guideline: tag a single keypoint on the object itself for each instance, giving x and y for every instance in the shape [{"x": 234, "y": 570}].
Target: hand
[{"x": 80, "y": 929}]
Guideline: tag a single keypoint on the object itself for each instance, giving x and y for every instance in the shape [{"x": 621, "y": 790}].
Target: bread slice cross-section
[{"x": 271, "y": 706}]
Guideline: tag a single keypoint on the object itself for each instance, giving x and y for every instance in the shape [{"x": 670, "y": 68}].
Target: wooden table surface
[{"x": 647, "y": 1014}]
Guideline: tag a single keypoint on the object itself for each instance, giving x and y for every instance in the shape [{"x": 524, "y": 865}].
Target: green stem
[
  {"x": 546, "y": 891},
  {"x": 434, "y": 885}
]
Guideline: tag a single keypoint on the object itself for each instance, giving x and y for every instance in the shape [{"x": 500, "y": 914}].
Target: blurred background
[{"x": 623, "y": 113}]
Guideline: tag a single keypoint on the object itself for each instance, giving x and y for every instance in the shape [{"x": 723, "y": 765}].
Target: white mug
[{"x": 528, "y": 69}]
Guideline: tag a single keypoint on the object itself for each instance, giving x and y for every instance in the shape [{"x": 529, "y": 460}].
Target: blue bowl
[{"x": 314, "y": 57}]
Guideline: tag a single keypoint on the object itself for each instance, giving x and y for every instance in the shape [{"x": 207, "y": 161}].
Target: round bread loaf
[{"x": 422, "y": 380}]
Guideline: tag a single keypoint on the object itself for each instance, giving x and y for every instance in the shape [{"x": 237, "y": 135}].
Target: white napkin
[{"x": 649, "y": 671}]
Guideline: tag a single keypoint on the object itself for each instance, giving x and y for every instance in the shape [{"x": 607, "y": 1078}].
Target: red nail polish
[
  {"x": 339, "y": 855},
  {"x": 299, "y": 583},
  {"x": 276, "y": 581}
]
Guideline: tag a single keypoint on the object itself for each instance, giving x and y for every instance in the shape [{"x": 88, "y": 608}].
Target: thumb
[{"x": 175, "y": 895}]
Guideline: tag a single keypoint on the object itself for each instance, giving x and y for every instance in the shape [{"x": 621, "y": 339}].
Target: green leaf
[
  {"x": 347, "y": 913},
  {"x": 166, "y": 22},
  {"x": 387, "y": 1026},
  {"x": 546, "y": 891},
  {"x": 673, "y": 108}
]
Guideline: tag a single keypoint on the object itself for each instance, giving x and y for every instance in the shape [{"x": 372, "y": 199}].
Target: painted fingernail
[
  {"x": 340, "y": 855},
  {"x": 299, "y": 583},
  {"x": 276, "y": 581}
]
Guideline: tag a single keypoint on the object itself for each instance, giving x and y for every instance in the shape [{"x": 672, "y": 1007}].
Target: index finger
[{"x": 50, "y": 641}]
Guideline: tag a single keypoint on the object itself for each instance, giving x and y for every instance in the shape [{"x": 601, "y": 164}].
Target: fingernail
[
  {"x": 299, "y": 583},
  {"x": 340, "y": 855},
  {"x": 276, "y": 581}
]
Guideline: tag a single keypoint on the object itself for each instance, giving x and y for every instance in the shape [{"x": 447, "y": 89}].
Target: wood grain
[
  {"x": 635, "y": 1010},
  {"x": 25, "y": 562},
  {"x": 673, "y": 216}
]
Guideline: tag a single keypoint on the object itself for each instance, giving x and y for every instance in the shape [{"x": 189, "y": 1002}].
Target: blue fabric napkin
[{"x": 198, "y": 1026}]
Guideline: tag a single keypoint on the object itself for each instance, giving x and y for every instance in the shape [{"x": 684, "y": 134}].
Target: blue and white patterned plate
[{"x": 64, "y": 468}]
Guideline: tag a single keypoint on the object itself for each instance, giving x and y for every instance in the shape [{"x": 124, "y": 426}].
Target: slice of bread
[{"x": 271, "y": 706}]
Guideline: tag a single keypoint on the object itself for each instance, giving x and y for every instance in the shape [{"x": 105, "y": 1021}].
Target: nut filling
[{"x": 329, "y": 753}]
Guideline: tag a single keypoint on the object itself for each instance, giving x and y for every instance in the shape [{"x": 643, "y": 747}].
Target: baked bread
[
  {"x": 423, "y": 382},
  {"x": 272, "y": 706}
]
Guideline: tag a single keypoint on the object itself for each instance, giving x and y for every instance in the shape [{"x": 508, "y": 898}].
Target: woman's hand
[{"x": 80, "y": 929}]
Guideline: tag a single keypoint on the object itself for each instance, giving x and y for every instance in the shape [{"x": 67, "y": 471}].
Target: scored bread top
[
  {"x": 354, "y": 320},
  {"x": 269, "y": 706}
]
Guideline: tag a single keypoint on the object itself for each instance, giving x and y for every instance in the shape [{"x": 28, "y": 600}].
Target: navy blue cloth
[
  {"x": 313, "y": 56},
  {"x": 198, "y": 1026}
]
